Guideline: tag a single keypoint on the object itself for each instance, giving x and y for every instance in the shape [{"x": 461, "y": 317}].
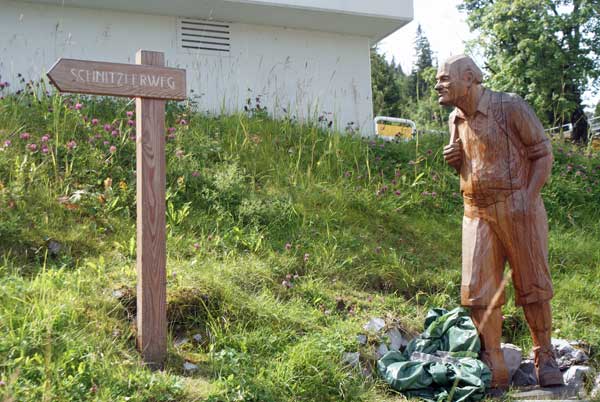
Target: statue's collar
[{"x": 482, "y": 106}]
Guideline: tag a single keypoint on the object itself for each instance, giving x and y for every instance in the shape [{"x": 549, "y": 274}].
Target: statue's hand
[{"x": 453, "y": 154}]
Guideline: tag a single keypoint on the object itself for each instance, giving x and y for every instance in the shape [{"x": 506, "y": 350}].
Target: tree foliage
[
  {"x": 397, "y": 95},
  {"x": 546, "y": 50}
]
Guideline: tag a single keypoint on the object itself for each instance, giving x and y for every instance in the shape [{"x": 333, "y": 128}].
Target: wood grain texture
[
  {"x": 151, "y": 238},
  {"x": 115, "y": 79},
  {"x": 498, "y": 147}
]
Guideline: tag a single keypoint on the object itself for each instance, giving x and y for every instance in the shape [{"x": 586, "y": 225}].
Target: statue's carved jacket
[{"x": 499, "y": 142}]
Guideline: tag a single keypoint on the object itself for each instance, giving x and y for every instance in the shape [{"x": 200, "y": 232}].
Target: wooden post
[
  {"x": 151, "y": 237},
  {"x": 151, "y": 83}
]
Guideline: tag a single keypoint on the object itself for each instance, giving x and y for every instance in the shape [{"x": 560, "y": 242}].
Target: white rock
[
  {"x": 351, "y": 358},
  {"x": 562, "y": 347},
  {"x": 575, "y": 375},
  {"x": 382, "y": 350},
  {"x": 375, "y": 325},
  {"x": 180, "y": 342},
  {"x": 397, "y": 341},
  {"x": 189, "y": 367},
  {"x": 595, "y": 394},
  {"x": 513, "y": 356},
  {"x": 362, "y": 339}
]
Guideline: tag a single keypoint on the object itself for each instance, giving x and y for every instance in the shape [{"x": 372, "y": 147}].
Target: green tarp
[{"x": 440, "y": 364}]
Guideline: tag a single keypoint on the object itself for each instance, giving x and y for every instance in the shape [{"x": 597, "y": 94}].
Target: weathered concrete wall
[{"x": 307, "y": 73}]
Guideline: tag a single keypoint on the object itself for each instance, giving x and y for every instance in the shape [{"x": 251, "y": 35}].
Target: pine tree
[{"x": 424, "y": 59}]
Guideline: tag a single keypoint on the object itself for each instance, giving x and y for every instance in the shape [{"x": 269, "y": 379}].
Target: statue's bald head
[{"x": 461, "y": 64}]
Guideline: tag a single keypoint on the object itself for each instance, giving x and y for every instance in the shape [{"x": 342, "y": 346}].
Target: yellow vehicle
[{"x": 390, "y": 128}]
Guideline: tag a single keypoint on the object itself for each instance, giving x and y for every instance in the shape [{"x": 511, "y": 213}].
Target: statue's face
[{"x": 450, "y": 85}]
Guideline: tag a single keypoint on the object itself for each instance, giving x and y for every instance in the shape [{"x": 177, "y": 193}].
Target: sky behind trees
[{"x": 447, "y": 30}]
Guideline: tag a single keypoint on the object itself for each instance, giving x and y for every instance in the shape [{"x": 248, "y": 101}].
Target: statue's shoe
[
  {"x": 494, "y": 359},
  {"x": 546, "y": 368}
]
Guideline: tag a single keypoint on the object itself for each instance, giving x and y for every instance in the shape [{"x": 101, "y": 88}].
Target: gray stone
[
  {"x": 397, "y": 341},
  {"x": 575, "y": 376},
  {"x": 361, "y": 339},
  {"x": 382, "y": 349},
  {"x": 351, "y": 358},
  {"x": 180, "y": 342},
  {"x": 375, "y": 325},
  {"x": 189, "y": 367},
  {"x": 197, "y": 338},
  {"x": 562, "y": 347},
  {"x": 512, "y": 356},
  {"x": 525, "y": 374},
  {"x": 550, "y": 393}
]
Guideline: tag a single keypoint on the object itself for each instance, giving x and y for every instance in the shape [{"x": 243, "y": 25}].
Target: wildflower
[
  {"x": 196, "y": 246},
  {"x": 179, "y": 153},
  {"x": 131, "y": 123},
  {"x": 578, "y": 173},
  {"x": 2, "y": 383},
  {"x": 183, "y": 122},
  {"x": 394, "y": 182},
  {"x": 108, "y": 183},
  {"x": 348, "y": 174},
  {"x": 433, "y": 194},
  {"x": 171, "y": 129},
  {"x": 44, "y": 149},
  {"x": 71, "y": 145},
  {"x": 397, "y": 173},
  {"x": 288, "y": 277},
  {"x": 171, "y": 137},
  {"x": 286, "y": 284},
  {"x": 32, "y": 147},
  {"x": 115, "y": 133},
  {"x": 306, "y": 256},
  {"x": 195, "y": 173},
  {"x": 296, "y": 276},
  {"x": 398, "y": 193},
  {"x": 132, "y": 137},
  {"x": 107, "y": 127},
  {"x": 25, "y": 136},
  {"x": 78, "y": 106},
  {"x": 98, "y": 136},
  {"x": 123, "y": 185},
  {"x": 112, "y": 149},
  {"x": 106, "y": 142},
  {"x": 94, "y": 122},
  {"x": 288, "y": 246},
  {"x": 7, "y": 143},
  {"x": 429, "y": 152},
  {"x": 129, "y": 113},
  {"x": 45, "y": 138}
]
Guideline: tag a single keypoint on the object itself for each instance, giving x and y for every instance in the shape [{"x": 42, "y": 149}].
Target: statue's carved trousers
[{"x": 501, "y": 227}]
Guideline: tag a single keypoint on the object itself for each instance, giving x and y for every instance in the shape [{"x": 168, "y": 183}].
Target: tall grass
[{"x": 283, "y": 239}]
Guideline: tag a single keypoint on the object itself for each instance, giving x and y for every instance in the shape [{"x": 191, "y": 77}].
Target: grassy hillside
[{"x": 283, "y": 240}]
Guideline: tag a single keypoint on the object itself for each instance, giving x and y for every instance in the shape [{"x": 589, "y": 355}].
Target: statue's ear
[{"x": 469, "y": 77}]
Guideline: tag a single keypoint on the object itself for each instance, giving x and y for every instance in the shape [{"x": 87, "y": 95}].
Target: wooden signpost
[{"x": 151, "y": 83}]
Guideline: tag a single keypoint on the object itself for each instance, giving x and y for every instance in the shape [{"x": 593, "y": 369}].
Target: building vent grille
[{"x": 204, "y": 36}]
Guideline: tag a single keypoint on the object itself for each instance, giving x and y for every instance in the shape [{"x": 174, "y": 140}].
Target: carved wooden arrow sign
[
  {"x": 146, "y": 79},
  {"x": 115, "y": 79}
]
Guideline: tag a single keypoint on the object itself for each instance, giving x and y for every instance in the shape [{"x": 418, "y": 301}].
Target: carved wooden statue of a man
[{"x": 498, "y": 146}]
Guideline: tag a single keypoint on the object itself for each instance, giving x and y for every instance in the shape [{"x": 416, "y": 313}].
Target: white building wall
[{"x": 306, "y": 72}]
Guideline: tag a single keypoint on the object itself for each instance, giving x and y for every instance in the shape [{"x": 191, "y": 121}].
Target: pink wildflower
[
  {"x": 44, "y": 149},
  {"x": 78, "y": 106},
  {"x": 32, "y": 147},
  {"x": 288, "y": 246},
  {"x": 179, "y": 153},
  {"x": 94, "y": 122},
  {"x": 306, "y": 256},
  {"x": 112, "y": 149},
  {"x": 107, "y": 127},
  {"x": 115, "y": 133},
  {"x": 131, "y": 123},
  {"x": 7, "y": 143},
  {"x": 45, "y": 138},
  {"x": 129, "y": 113},
  {"x": 195, "y": 173},
  {"x": 183, "y": 122},
  {"x": 25, "y": 136},
  {"x": 71, "y": 145}
]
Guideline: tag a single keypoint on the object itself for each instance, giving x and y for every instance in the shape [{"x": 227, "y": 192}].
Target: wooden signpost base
[
  {"x": 151, "y": 83},
  {"x": 151, "y": 240}
]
